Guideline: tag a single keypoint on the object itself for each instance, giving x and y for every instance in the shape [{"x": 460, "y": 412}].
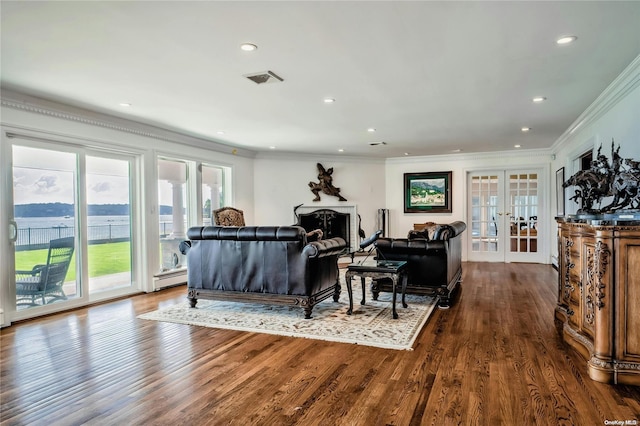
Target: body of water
[{"x": 38, "y": 231}]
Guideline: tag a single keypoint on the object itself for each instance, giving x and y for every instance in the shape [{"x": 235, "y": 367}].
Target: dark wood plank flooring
[{"x": 494, "y": 358}]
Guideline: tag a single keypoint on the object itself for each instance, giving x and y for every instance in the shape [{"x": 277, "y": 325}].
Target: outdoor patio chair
[{"x": 45, "y": 281}]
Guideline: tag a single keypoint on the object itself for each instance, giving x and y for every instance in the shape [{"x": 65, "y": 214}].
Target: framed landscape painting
[{"x": 427, "y": 192}]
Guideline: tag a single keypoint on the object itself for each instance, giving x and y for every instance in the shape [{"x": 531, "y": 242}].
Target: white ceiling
[{"x": 431, "y": 77}]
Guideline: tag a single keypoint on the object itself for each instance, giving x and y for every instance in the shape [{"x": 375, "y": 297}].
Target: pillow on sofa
[
  {"x": 315, "y": 235},
  {"x": 431, "y": 232},
  {"x": 420, "y": 231},
  {"x": 417, "y": 235}
]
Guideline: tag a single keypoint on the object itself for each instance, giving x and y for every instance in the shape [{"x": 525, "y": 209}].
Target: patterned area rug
[{"x": 370, "y": 325}]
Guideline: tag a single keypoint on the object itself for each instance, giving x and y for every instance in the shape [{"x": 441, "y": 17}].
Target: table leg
[
  {"x": 394, "y": 280},
  {"x": 404, "y": 289},
  {"x": 362, "y": 280},
  {"x": 336, "y": 294},
  {"x": 347, "y": 278}
]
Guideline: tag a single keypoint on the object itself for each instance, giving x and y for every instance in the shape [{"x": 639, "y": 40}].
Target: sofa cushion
[{"x": 430, "y": 232}]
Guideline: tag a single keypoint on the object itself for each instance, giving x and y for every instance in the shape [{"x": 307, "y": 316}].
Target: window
[
  {"x": 173, "y": 211},
  {"x": 188, "y": 191}
]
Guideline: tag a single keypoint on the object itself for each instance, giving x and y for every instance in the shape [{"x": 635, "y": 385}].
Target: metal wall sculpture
[
  {"x": 325, "y": 184},
  {"x": 617, "y": 180}
]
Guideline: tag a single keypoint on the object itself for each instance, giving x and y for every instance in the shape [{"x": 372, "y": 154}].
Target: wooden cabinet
[{"x": 599, "y": 295}]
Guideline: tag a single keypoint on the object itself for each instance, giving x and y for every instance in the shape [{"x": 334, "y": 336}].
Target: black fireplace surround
[{"x": 330, "y": 222}]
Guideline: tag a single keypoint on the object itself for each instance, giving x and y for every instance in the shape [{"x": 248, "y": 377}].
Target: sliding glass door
[
  {"x": 109, "y": 223},
  {"x": 72, "y": 226},
  {"x": 45, "y": 212}
]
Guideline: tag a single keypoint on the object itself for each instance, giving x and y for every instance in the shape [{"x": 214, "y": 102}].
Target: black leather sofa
[
  {"x": 263, "y": 264},
  {"x": 434, "y": 260}
]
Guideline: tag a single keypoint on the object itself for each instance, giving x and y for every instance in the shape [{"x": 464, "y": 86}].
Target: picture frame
[
  {"x": 428, "y": 192},
  {"x": 560, "y": 194}
]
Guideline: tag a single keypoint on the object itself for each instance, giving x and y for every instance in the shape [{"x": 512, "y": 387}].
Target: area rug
[{"x": 370, "y": 324}]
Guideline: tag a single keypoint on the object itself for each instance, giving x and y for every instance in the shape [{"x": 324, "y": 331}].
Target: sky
[{"x": 44, "y": 176}]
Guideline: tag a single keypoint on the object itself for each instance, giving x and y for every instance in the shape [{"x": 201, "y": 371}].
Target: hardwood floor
[{"x": 494, "y": 358}]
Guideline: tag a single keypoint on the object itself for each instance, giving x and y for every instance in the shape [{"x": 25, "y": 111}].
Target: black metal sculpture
[
  {"x": 618, "y": 179},
  {"x": 325, "y": 184}
]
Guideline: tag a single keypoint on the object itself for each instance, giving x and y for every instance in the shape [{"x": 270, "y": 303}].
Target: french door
[{"x": 503, "y": 213}]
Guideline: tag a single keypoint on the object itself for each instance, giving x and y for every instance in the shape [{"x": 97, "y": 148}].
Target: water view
[{"x": 38, "y": 231}]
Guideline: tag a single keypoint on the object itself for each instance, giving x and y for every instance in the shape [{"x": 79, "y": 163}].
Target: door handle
[{"x": 13, "y": 231}]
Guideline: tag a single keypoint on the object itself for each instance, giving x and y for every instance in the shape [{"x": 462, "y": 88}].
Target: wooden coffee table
[{"x": 395, "y": 270}]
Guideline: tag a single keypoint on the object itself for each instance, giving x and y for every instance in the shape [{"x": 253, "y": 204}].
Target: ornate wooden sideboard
[{"x": 599, "y": 295}]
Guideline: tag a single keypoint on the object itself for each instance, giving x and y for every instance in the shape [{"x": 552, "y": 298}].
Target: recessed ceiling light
[
  {"x": 517, "y": 146},
  {"x": 248, "y": 47},
  {"x": 341, "y": 150},
  {"x": 407, "y": 153},
  {"x": 539, "y": 99},
  {"x": 125, "y": 104},
  {"x": 220, "y": 132},
  {"x": 371, "y": 129},
  {"x": 329, "y": 100},
  {"x": 566, "y": 39},
  {"x": 272, "y": 147},
  {"x": 456, "y": 150},
  {"x": 526, "y": 129}
]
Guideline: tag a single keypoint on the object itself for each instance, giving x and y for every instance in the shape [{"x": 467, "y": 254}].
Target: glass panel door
[
  {"x": 44, "y": 198},
  {"x": 523, "y": 217},
  {"x": 486, "y": 216},
  {"x": 108, "y": 223},
  {"x": 503, "y": 216}
]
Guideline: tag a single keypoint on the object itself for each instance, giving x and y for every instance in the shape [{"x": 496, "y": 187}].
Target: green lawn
[{"x": 104, "y": 259}]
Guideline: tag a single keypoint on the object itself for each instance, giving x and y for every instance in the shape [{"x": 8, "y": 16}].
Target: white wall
[{"x": 282, "y": 182}]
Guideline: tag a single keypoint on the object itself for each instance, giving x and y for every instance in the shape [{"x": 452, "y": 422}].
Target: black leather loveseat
[
  {"x": 263, "y": 264},
  {"x": 434, "y": 260}
]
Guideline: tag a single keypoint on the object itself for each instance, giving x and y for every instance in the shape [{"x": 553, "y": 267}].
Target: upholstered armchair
[{"x": 228, "y": 216}]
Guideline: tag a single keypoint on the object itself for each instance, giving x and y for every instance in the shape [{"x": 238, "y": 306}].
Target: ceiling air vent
[{"x": 264, "y": 77}]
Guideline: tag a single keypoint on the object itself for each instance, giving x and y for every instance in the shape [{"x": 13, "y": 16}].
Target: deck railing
[{"x": 38, "y": 238}]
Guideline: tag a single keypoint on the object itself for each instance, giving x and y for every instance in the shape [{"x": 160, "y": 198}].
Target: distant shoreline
[{"x": 43, "y": 210}]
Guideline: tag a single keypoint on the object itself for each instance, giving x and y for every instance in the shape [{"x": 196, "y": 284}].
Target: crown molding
[
  {"x": 20, "y": 101},
  {"x": 544, "y": 154},
  {"x": 296, "y": 156},
  {"x": 624, "y": 84}
]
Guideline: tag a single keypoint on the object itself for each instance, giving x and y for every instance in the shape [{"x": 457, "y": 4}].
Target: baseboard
[{"x": 169, "y": 279}]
